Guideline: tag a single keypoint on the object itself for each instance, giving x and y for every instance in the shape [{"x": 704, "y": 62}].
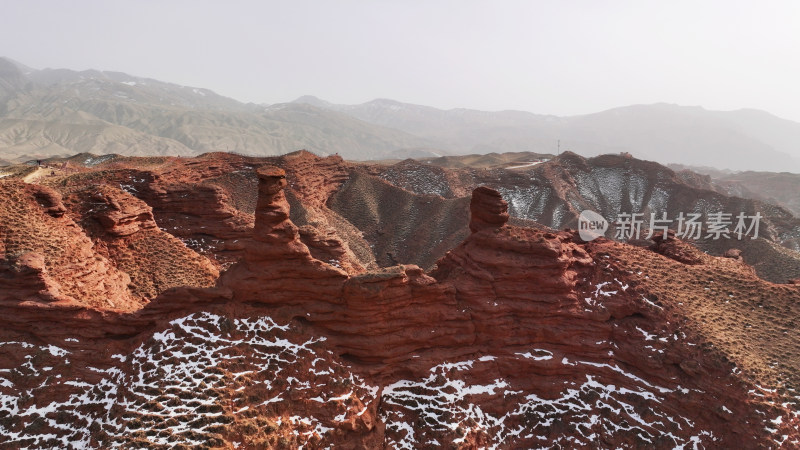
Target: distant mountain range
[
  {"x": 61, "y": 112},
  {"x": 54, "y": 112},
  {"x": 738, "y": 140}
]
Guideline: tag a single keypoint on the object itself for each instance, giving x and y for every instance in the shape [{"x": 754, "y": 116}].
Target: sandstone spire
[{"x": 488, "y": 209}]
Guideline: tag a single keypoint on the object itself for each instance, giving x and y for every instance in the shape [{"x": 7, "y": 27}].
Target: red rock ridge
[
  {"x": 505, "y": 291},
  {"x": 124, "y": 231},
  {"x": 47, "y": 249},
  {"x": 314, "y": 179},
  {"x": 119, "y": 215}
]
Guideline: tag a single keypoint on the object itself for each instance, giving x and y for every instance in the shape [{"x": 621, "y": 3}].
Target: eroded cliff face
[
  {"x": 277, "y": 267},
  {"x": 209, "y": 202},
  {"x": 199, "y": 213},
  {"x": 519, "y": 338},
  {"x": 563, "y": 326},
  {"x": 47, "y": 258},
  {"x": 124, "y": 231}
]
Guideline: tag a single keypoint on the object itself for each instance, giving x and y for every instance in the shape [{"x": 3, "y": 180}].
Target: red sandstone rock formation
[
  {"x": 519, "y": 338},
  {"x": 675, "y": 249},
  {"x": 311, "y": 181},
  {"x": 128, "y": 218},
  {"x": 276, "y": 262},
  {"x": 125, "y": 232},
  {"x": 26, "y": 279},
  {"x": 488, "y": 208},
  {"x": 733, "y": 253},
  {"x": 42, "y": 244},
  {"x": 190, "y": 201},
  {"x": 48, "y": 199},
  {"x": 314, "y": 179},
  {"x": 203, "y": 216},
  {"x": 326, "y": 245}
]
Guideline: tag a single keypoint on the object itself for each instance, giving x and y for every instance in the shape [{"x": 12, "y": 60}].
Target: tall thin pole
[{"x": 559, "y": 147}]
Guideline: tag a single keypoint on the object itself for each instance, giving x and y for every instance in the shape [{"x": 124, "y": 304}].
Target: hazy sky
[{"x": 552, "y": 57}]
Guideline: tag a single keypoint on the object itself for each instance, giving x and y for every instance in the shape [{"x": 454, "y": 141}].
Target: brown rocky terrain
[
  {"x": 554, "y": 193},
  {"x": 519, "y": 337},
  {"x": 332, "y": 199},
  {"x": 124, "y": 231},
  {"x": 47, "y": 257}
]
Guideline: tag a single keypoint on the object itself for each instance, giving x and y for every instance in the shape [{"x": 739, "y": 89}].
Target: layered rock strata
[
  {"x": 277, "y": 267},
  {"x": 124, "y": 230},
  {"x": 44, "y": 247},
  {"x": 535, "y": 330}
]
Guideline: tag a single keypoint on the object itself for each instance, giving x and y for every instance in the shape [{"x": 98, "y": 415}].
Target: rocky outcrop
[
  {"x": 276, "y": 262},
  {"x": 202, "y": 216},
  {"x": 120, "y": 219},
  {"x": 124, "y": 231},
  {"x": 311, "y": 181},
  {"x": 26, "y": 279},
  {"x": 326, "y": 245},
  {"x": 314, "y": 179},
  {"x": 519, "y": 338},
  {"x": 193, "y": 202},
  {"x": 488, "y": 209},
  {"x": 676, "y": 249},
  {"x": 733, "y": 253},
  {"x": 272, "y": 223},
  {"x": 49, "y": 199},
  {"x": 48, "y": 249},
  {"x": 396, "y": 321},
  {"x": 530, "y": 289}
]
